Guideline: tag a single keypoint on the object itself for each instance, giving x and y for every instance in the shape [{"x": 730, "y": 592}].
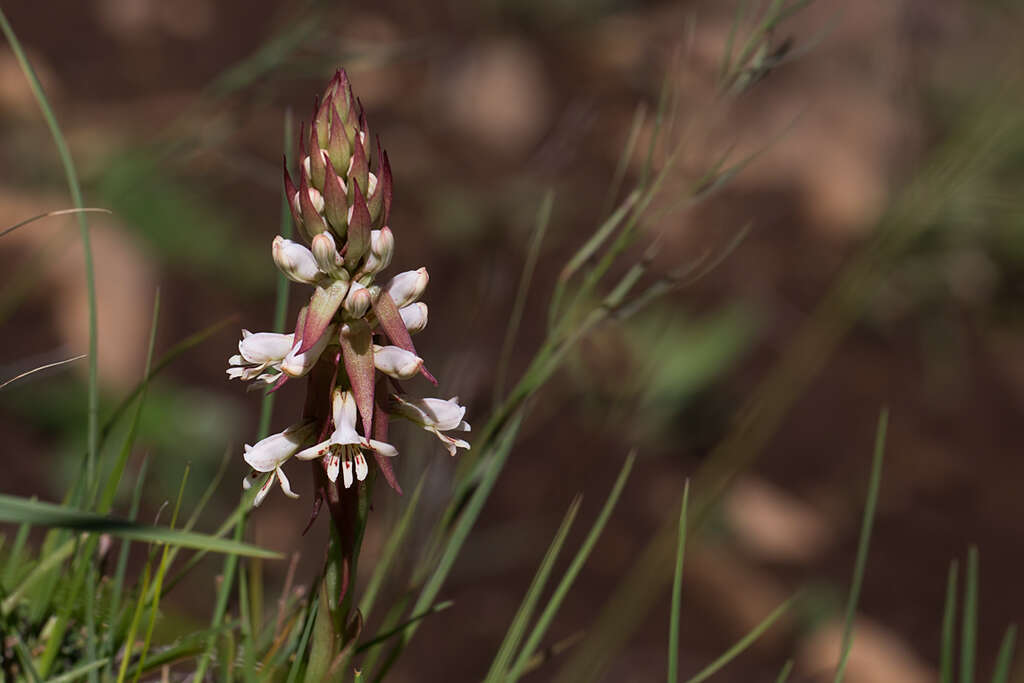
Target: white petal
[
  {"x": 285, "y": 484},
  {"x": 385, "y": 449},
  {"x": 276, "y": 448},
  {"x": 396, "y": 361},
  {"x": 452, "y": 444},
  {"x": 415, "y": 317},
  {"x": 264, "y": 347},
  {"x": 345, "y": 415},
  {"x": 361, "y": 467},
  {"x": 315, "y": 451},
  {"x": 357, "y": 301},
  {"x": 264, "y": 490},
  {"x": 333, "y": 465},
  {"x": 346, "y": 471}
]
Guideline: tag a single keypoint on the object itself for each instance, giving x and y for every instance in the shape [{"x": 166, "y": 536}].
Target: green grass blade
[
  {"x": 300, "y": 650},
  {"x": 547, "y": 616},
  {"x": 639, "y": 115},
  {"x": 500, "y": 665},
  {"x": 15, "y": 509},
  {"x": 25, "y": 657},
  {"x": 787, "y": 669},
  {"x": 113, "y": 635},
  {"x": 865, "y": 542},
  {"x": 396, "y": 538},
  {"x": 463, "y": 526},
  {"x": 83, "y": 224},
  {"x": 223, "y": 591},
  {"x": 516, "y": 316},
  {"x": 78, "y": 672},
  {"x": 47, "y": 563},
  {"x": 677, "y": 592},
  {"x": 391, "y": 633},
  {"x": 13, "y": 565},
  {"x": 969, "y": 626},
  {"x": 949, "y": 626},
  {"x": 742, "y": 644},
  {"x": 161, "y": 572},
  {"x": 129, "y": 639},
  {"x": 1004, "y": 659}
]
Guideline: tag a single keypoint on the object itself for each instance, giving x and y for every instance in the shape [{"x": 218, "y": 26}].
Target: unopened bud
[
  {"x": 415, "y": 317},
  {"x": 295, "y": 261},
  {"x": 396, "y": 362},
  {"x": 327, "y": 257},
  {"x": 358, "y": 301},
  {"x": 382, "y": 246},
  {"x": 298, "y": 364},
  {"x": 405, "y": 288}
]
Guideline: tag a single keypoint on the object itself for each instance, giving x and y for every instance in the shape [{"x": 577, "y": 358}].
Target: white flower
[
  {"x": 405, "y": 288},
  {"x": 436, "y": 415},
  {"x": 396, "y": 362},
  {"x": 270, "y": 453},
  {"x": 258, "y": 352},
  {"x": 382, "y": 247},
  {"x": 296, "y": 261},
  {"x": 342, "y": 451},
  {"x": 328, "y": 260},
  {"x": 357, "y": 301}
]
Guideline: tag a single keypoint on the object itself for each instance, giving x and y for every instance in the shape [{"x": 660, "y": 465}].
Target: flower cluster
[{"x": 355, "y": 330}]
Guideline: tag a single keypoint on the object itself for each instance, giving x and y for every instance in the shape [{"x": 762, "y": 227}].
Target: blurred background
[{"x": 175, "y": 113}]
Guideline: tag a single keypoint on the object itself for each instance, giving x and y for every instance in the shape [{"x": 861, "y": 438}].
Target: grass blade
[
  {"x": 864, "y": 543},
  {"x": 1005, "y": 657},
  {"x": 41, "y": 367},
  {"x": 948, "y": 626},
  {"x": 50, "y": 214},
  {"x": 677, "y": 592},
  {"x": 15, "y": 509},
  {"x": 522, "y": 662},
  {"x": 969, "y": 626},
  {"x": 516, "y": 316},
  {"x": 380, "y": 638},
  {"x": 514, "y": 635},
  {"x": 743, "y": 643},
  {"x": 464, "y": 524},
  {"x": 787, "y": 669}
]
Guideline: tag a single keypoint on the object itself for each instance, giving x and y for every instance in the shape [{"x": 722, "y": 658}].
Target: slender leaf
[
  {"x": 15, "y": 509},
  {"x": 500, "y": 665},
  {"x": 948, "y": 626},
  {"x": 742, "y": 644},
  {"x": 1004, "y": 659},
  {"x": 522, "y": 662},
  {"x": 969, "y": 626},
  {"x": 865, "y": 542},
  {"x": 677, "y": 592}
]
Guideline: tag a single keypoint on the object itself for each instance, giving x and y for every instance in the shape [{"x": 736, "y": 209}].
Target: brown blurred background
[{"x": 175, "y": 114}]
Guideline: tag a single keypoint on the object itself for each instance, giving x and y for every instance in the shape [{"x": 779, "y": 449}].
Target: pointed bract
[
  {"x": 322, "y": 307},
  {"x": 357, "y": 351}
]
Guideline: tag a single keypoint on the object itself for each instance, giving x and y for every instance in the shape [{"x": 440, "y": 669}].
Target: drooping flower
[
  {"x": 270, "y": 453},
  {"x": 436, "y": 416},
  {"x": 258, "y": 352}
]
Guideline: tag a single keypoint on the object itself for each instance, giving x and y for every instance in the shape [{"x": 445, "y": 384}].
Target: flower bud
[
  {"x": 382, "y": 246},
  {"x": 358, "y": 301},
  {"x": 414, "y": 316},
  {"x": 405, "y": 288},
  {"x": 295, "y": 261},
  {"x": 298, "y": 364},
  {"x": 396, "y": 362},
  {"x": 327, "y": 257}
]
